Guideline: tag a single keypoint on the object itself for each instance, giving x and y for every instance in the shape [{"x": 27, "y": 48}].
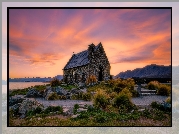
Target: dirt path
[
  {"x": 144, "y": 100},
  {"x": 64, "y": 103}
]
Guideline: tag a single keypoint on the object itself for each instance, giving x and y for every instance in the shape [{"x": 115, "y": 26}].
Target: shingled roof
[{"x": 79, "y": 59}]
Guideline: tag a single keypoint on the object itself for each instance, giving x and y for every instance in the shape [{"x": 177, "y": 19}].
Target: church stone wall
[{"x": 98, "y": 66}]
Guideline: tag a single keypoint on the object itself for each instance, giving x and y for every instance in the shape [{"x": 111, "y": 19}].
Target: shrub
[
  {"x": 101, "y": 118},
  {"x": 134, "y": 93},
  {"x": 164, "y": 90},
  {"x": 86, "y": 96},
  {"x": 78, "y": 96},
  {"x": 146, "y": 113},
  {"x": 113, "y": 95},
  {"x": 168, "y": 100},
  {"x": 91, "y": 80},
  {"x": 153, "y": 85},
  {"x": 122, "y": 102},
  {"x": 118, "y": 85},
  {"x": 62, "y": 97},
  {"x": 55, "y": 82},
  {"x": 163, "y": 107},
  {"x": 76, "y": 106},
  {"x": 126, "y": 92},
  {"x": 49, "y": 109},
  {"x": 53, "y": 96},
  {"x": 38, "y": 110},
  {"x": 101, "y": 99}
]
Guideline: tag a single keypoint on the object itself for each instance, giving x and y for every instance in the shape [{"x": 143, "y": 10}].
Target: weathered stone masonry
[{"x": 92, "y": 61}]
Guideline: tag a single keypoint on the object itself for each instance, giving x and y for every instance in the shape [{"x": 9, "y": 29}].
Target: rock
[
  {"x": 15, "y": 99},
  {"x": 48, "y": 94},
  {"x": 141, "y": 110},
  {"x": 15, "y": 108},
  {"x": 84, "y": 90},
  {"x": 60, "y": 91},
  {"x": 75, "y": 116},
  {"x": 67, "y": 111},
  {"x": 28, "y": 105},
  {"x": 32, "y": 93},
  {"x": 81, "y": 85},
  {"x": 75, "y": 91},
  {"x": 81, "y": 109}
]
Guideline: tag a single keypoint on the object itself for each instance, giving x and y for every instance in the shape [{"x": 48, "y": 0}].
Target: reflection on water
[{"x": 21, "y": 85}]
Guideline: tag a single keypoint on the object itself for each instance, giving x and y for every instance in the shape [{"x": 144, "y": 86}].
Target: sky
[{"x": 41, "y": 41}]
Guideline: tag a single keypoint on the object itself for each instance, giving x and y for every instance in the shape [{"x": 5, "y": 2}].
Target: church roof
[{"x": 79, "y": 59}]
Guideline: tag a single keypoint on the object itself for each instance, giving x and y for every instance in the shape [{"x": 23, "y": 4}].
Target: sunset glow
[{"x": 41, "y": 41}]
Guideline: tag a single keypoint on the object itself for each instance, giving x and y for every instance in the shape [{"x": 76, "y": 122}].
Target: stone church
[{"x": 91, "y": 62}]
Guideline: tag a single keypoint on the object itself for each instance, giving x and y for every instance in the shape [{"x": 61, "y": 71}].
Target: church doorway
[{"x": 100, "y": 76}]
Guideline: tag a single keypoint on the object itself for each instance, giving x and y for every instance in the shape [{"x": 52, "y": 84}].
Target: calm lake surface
[{"x": 21, "y": 85}]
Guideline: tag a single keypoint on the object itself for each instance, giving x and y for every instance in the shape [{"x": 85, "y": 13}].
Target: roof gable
[{"x": 79, "y": 59}]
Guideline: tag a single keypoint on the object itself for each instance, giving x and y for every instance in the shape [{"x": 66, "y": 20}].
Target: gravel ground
[
  {"x": 144, "y": 100},
  {"x": 64, "y": 103},
  {"x": 147, "y": 100}
]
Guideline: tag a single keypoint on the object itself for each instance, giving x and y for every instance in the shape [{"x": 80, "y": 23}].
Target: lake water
[{"x": 21, "y": 85}]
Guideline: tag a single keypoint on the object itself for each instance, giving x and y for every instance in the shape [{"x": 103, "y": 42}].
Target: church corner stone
[{"x": 91, "y": 62}]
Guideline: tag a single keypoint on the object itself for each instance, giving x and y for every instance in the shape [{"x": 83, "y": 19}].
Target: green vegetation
[
  {"x": 91, "y": 80},
  {"x": 112, "y": 106},
  {"x": 76, "y": 106},
  {"x": 95, "y": 117},
  {"x": 162, "y": 89},
  {"x": 168, "y": 100},
  {"x": 153, "y": 85},
  {"x": 68, "y": 86},
  {"x": 18, "y": 92},
  {"x": 101, "y": 99},
  {"x": 53, "y": 96}
]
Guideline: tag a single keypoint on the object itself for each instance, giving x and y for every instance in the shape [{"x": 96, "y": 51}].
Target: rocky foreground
[{"x": 33, "y": 99}]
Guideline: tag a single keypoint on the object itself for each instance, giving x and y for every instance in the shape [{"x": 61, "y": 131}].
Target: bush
[
  {"x": 53, "y": 96},
  {"x": 164, "y": 90},
  {"x": 38, "y": 110},
  {"x": 162, "y": 107},
  {"x": 153, "y": 85},
  {"x": 118, "y": 85},
  {"x": 76, "y": 106},
  {"x": 113, "y": 95},
  {"x": 91, "y": 80},
  {"x": 62, "y": 97},
  {"x": 122, "y": 102},
  {"x": 168, "y": 100},
  {"x": 55, "y": 82},
  {"x": 86, "y": 96},
  {"x": 101, "y": 118},
  {"x": 49, "y": 109},
  {"x": 135, "y": 93},
  {"x": 126, "y": 92},
  {"x": 101, "y": 99}
]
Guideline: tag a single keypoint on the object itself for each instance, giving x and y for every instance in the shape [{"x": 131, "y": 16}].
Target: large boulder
[
  {"x": 32, "y": 93},
  {"x": 48, "y": 94},
  {"x": 75, "y": 91},
  {"x": 28, "y": 105},
  {"x": 15, "y": 99},
  {"x": 60, "y": 91},
  {"x": 81, "y": 85},
  {"x": 84, "y": 90},
  {"x": 15, "y": 109}
]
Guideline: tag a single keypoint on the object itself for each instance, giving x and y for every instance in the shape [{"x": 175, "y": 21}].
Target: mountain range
[{"x": 149, "y": 71}]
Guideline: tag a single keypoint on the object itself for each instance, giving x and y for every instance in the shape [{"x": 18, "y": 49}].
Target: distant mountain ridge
[{"x": 149, "y": 71}]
